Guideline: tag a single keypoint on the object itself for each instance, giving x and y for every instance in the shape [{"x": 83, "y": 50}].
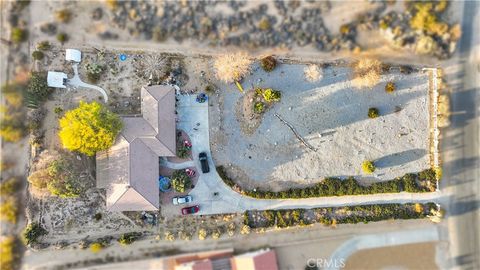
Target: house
[
  {"x": 129, "y": 170},
  {"x": 56, "y": 79},
  {"x": 263, "y": 259},
  {"x": 73, "y": 55}
]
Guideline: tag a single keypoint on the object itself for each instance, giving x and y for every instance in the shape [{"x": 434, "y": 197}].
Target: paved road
[
  {"x": 461, "y": 148},
  {"x": 229, "y": 201}
]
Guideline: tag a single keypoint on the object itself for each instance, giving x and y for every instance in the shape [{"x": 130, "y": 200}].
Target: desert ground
[{"x": 331, "y": 115}]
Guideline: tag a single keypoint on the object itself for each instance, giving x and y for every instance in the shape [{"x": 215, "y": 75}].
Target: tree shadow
[
  {"x": 463, "y": 107},
  {"x": 400, "y": 158},
  {"x": 456, "y": 170}
]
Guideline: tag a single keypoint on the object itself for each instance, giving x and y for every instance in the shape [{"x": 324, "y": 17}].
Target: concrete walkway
[
  {"x": 382, "y": 240},
  {"x": 177, "y": 166},
  {"x": 77, "y": 82},
  {"x": 192, "y": 113}
]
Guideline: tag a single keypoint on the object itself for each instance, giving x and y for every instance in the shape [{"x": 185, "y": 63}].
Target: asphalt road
[{"x": 460, "y": 148}]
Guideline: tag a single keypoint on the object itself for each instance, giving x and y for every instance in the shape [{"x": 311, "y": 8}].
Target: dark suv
[{"x": 204, "y": 162}]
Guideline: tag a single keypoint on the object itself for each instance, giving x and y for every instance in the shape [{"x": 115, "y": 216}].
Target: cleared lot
[{"x": 332, "y": 116}]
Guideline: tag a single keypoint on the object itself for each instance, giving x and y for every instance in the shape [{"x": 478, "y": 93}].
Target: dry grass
[
  {"x": 367, "y": 72},
  {"x": 313, "y": 73},
  {"x": 443, "y": 111},
  {"x": 232, "y": 67}
]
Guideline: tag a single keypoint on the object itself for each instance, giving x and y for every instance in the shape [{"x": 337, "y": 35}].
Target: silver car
[{"x": 182, "y": 200}]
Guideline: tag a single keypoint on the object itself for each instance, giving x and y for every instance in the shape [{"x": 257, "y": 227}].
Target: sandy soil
[
  {"x": 331, "y": 115},
  {"x": 413, "y": 256}
]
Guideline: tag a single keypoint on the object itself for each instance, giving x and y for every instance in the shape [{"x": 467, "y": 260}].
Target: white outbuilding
[
  {"x": 73, "y": 55},
  {"x": 56, "y": 79}
]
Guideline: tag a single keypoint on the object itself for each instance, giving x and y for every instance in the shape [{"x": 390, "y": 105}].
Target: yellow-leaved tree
[{"x": 89, "y": 128}]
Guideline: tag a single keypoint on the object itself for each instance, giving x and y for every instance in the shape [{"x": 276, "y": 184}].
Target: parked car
[
  {"x": 182, "y": 200},
  {"x": 190, "y": 210},
  {"x": 204, "y": 162}
]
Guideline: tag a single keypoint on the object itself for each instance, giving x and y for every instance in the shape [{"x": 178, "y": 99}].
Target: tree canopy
[{"x": 89, "y": 128}]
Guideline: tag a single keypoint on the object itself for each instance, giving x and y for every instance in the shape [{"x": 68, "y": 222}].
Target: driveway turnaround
[{"x": 215, "y": 197}]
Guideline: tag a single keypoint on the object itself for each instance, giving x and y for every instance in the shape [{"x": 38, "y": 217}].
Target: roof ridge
[
  {"x": 133, "y": 188},
  {"x": 122, "y": 193}
]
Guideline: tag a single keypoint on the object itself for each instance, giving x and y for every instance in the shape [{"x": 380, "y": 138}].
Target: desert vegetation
[
  {"x": 331, "y": 216},
  {"x": 390, "y": 87},
  {"x": 268, "y": 63},
  {"x": 368, "y": 166},
  {"x": 373, "y": 113},
  {"x": 313, "y": 73},
  {"x": 180, "y": 181},
  {"x": 33, "y": 232},
  {"x": 232, "y": 67},
  {"x": 366, "y": 72},
  {"x": 424, "y": 181},
  {"x": 89, "y": 128}
]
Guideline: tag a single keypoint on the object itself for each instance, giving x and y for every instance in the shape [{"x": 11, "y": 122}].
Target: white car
[{"x": 182, "y": 200}]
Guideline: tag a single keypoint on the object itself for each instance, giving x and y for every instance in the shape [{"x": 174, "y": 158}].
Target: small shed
[
  {"x": 73, "y": 55},
  {"x": 56, "y": 79}
]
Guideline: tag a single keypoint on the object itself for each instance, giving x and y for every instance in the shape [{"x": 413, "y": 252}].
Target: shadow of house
[{"x": 400, "y": 158}]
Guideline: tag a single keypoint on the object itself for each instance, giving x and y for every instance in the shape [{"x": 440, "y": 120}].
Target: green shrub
[
  {"x": 32, "y": 232},
  {"x": 180, "y": 181},
  {"x": 94, "y": 71},
  {"x": 19, "y": 35},
  {"x": 259, "y": 107},
  {"x": 368, "y": 166},
  {"x": 270, "y": 95},
  {"x": 63, "y": 180},
  {"x": 373, "y": 113},
  {"x": 37, "y": 55},
  {"x": 44, "y": 46},
  {"x": 268, "y": 63},
  {"x": 9, "y": 210},
  {"x": 62, "y": 37},
  {"x": 9, "y": 187},
  {"x": 58, "y": 110},
  {"x": 183, "y": 151},
  {"x": 38, "y": 87},
  {"x": 264, "y": 24},
  {"x": 209, "y": 89},
  {"x": 128, "y": 238},
  {"x": 9, "y": 253},
  {"x": 390, "y": 87},
  {"x": 63, "y": 15}
]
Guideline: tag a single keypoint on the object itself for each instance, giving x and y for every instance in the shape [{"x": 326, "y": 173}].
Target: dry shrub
[
  {"x": 312, "y": 73},
  {"x": 443, "y": 111},
  {"x": 232, "y": 67},
  {"x": 366, "y": 72}
]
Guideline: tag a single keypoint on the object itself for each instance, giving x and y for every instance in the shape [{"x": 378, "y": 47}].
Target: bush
[
  {"x": 9, "y": 253},
  {"x": 9, "y": 210},
  {"x": 390, "y": 87},
  {"x": 259, "y": 107},
  {"x": 97, "y": 216},
  {"x": 63, "y": 180},
  {"x": 366, "y": 72},
  {"x": 183, "y": 151},
  {"x": 312, "y": 73},
  {"x": 11, "y": 131},
  {"x": 37, "y": 55},
  {"x": 180, "y": 181},
  {"x": 232, "y": 67},
  {"x": 270, "y": 95},
  {"x": 89, "y": 128},
  {"x": 96, "y": 247},
  {"x": 39, "y": 179},
  {"x": 209, "y": 89},
  {"x": 202, "y": 234},
  {"x": 264, "y": 24},
  {"x": 128, "y": 238},
  {"x": 63, "y": 15},
  {"x": 368, "y": 166},
  {"x": 94, "y": 71},
  {"x": 62, "y": 37},
  {"x": 9, "y": 187},
  {"x": 373, "y": 113},
  {"x": 32, "y": 232},
  {"x": 44, "y": 46},
  {"x": 268, "y": 63},
  {"x": 18, "y": 35},
  {"x": 38, "y": 87}
]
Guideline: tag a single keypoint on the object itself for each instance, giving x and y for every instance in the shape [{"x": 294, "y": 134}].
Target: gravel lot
[{"x": 332, "y": 117}]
